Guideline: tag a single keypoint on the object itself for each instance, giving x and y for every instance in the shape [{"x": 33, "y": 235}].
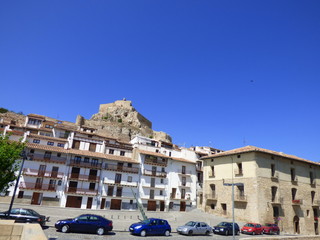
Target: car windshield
[
  {"x": 145, "y": 221},
  {"x": 269, "y": 225},
  {"x": 249, "y": 225},
  {"x": 223, "y": 224},
  {"x": 33, "y": 212},
  {"x": 191, "y": 223}
]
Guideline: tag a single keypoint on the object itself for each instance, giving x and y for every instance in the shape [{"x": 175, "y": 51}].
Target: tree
[{"x": 10, "y": 152}]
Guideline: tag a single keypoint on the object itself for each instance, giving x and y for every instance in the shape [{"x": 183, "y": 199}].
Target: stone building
[{"x": 269, "y": 187}]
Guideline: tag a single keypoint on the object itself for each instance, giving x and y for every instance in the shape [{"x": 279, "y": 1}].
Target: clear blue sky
[{"x": 219, "y": 73}]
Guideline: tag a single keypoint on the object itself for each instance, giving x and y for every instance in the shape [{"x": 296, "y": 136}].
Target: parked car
[
  {"x": 86, "y": 223},
  {"x": 151, "y": 226},
  {"x": 271, "y": 228},
  {"x": 226, "y": 228},
  {"x": 252, "y": 228},
  {"x": 25, "y": 215},
  {"x": 195, "y": 228}
]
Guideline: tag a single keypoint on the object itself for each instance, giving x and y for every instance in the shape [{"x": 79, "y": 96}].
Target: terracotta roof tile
[
  {"x": 183, "y": 160},
  {"x": 47, "y": 148},
  {"x": 257, "y": 149}
]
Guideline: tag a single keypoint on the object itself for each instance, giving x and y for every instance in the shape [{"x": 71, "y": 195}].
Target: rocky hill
[{"x": 116, "y": 120}]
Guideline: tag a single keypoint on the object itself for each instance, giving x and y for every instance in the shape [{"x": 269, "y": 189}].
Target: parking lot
[{"x": 121, "y": 222}]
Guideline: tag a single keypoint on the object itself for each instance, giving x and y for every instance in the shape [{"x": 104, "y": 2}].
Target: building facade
[
  {"x": 73, "y": 166},
  {"x": 269, "y": 187}
]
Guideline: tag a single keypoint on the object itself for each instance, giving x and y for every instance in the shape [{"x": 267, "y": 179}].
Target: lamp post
[
  {"x": 24, "y": 157},
  {"x": 232, "y": 184}
]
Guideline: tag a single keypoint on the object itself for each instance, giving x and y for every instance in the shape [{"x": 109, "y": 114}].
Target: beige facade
[{"x": 268, "y": 187}]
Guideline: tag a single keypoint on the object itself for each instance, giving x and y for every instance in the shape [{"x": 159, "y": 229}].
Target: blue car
[
  {"x": 86, "y": 223},
  {"x": 225, "y": 228},
  {"x": 151, "y": 226}
]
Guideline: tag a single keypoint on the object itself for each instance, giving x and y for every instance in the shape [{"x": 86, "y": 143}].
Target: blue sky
[{"x": 219, "y": 73}]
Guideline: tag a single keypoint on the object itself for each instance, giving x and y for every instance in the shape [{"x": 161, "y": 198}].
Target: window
[
  {"x": 212, "y": 171},
  {"x": 161, "y": 180},
  {"x": 183, "y": 170},
  {"x": 86, "y": 159},
  {"x": 92, "y": 186},
  {"x": 119, "y": 192},
  {"x": 151, "y": 194},
  {"x": 273, "y": 170},
  {"x": 184, "y": 181},
  {"x": 183, "y": 193},
  {"x": 122, "y": 153},
  {"x": 293, "y": 193},
  {"x": 76, "y": 144},
  {"x": 129, "y": 179},
  {"x": 118, "y": 178},
  {"x": 60, "y": 144},
  {"x": 161, "y": 193},
  {"x": 111, "y": 151},
  {"x": 58, "y": 154},
  {"x": 47, "y": 155},
  {"x": 273, "y": 193},
  {"x": 163, "y": 169},
  {"x": 213, "y": 190},
  {"x": 48, "y": 126},
  {"x": 50, "y": 143},
  {"x": 32, "y": 151},
  {"x": 130, "y": 165},
  {"x": 312, "y": 180},
  {"x": 20, "y": 195},
  {"x": 32, "y": 121},
  {"x": 313, "y": 194},
  {"x": 293, "y": 174},
  {"x": 77, "y": 159},
  {"x": 239, "y": 171},
  {"x": 36, "y": 141},
  {"x": 92, "y": 147},
  {"x": 110, "y": 191}
]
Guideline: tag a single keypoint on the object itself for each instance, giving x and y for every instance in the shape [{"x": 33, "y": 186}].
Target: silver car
[{"x": 195, "y": 228}]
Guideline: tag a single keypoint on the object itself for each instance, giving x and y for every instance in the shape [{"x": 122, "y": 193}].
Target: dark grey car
[
  {"x": 25, "y": 215},
  {"x": 195, "y": 228}
]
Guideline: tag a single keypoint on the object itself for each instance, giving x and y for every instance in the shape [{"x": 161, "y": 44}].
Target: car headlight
[
  {"x": 138, "y": 227},
  {"x": 185, "y": 229},
  {"x": 221, "y": 229},
  {"x": 250, "y": 229},
  {"x": 58, "y": 222}
]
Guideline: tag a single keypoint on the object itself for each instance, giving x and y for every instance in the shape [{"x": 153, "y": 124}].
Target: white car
[{"x": 195, "y": 228}]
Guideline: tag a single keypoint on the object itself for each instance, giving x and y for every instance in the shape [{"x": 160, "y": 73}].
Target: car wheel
[
  {"x": 100, "y": 231},
  {"x": 143, "y": 233},
  {"x": 253, "y": 233},
  {"x": 190, "y": 233},
  {"x": 65, "y": 228},
  {"x": 167, "y": 233},
  {"x": 207, "y": 233},
  {"x": 227, "y": 233}
]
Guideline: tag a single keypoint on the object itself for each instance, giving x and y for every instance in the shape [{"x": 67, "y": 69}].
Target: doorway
[
  {"x": 115, "y": 204},
  {"x": 296, "y": 226},
  {"x": 74, "y": 201},
  {"x": 36, "y": 198},
  {"x": 89, "y": 202},
  {"x": 182, "y": 206},
  {"x": 152, "y": 206},
  {"x": 162, "y": 206}
]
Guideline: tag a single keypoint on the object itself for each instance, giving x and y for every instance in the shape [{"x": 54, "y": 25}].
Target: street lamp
[
  {"x": 24, "y": 157},
  {"x": 232, "y": 184}
]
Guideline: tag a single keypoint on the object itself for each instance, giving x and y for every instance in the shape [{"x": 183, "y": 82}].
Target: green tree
[
  {"x": 3, "y": 110},
  {"x": 10, "y": 152}
]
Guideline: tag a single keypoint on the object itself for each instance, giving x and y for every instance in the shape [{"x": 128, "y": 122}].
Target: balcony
[
  {"x": 121, "y": 183},
  {"x": 154, "y": 161},
  {"x": 45, "y": 158},
  {"x": 149, "y": 185},
  {"x": 213, "y": 196},
  {"x": 117, "y": 168},
  {"x": 78, "y": 163},
  {"x": 316, "y": 203},
  {"x": 80, "y": 191},
  {"x": 37, "y": 186},
  {"x": 155, "y": 197},
  {"x": 36, "y": 173},
  {"x": 155, "y": 173},
  {"x": 297, "y": 202},
  {"x": 276, "y": 200},
  {"x": 185, "y": 184},
  {"x": 84, "y": 177},
  {"x": 185, "y": 197},
  {"x": 275, "y": 177},
  {"x": 240, "y": 198},
  {"x": 294, "y": 180},
  {"x": 185, "y": 173},
  {"x": 238, "y": 172}
]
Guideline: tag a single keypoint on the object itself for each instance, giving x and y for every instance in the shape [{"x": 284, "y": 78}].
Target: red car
[
  {"x": 271, "y": 228},
  {"x": 252, "y": 228}
]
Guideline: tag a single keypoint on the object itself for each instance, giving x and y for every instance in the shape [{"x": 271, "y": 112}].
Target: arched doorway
[{"x": 296, "y": 226}]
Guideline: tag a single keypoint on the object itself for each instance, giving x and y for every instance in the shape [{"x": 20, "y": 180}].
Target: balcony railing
[
  {"x": 155, "y": 173},
  {"x": 37, "y": 186},
  {"x": 185, "y": 172},
  {"x": 44, "y": 158},
  {"x": 36, "y": 173},
  {"x": 84, "y": 177},
  {"x": 78, "y": 163},
  {"x": 149, "y": 185},
  {"x": 152, "y": 161},
  {"x": 121, "y": 183},
  {"x": 118, "y": 168},
  {"x": 240, "y": 198},
  {"x": 81, "y": 191},
  {"x": 212, "y": 196},
  {"x": 297, "y": 202}
]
